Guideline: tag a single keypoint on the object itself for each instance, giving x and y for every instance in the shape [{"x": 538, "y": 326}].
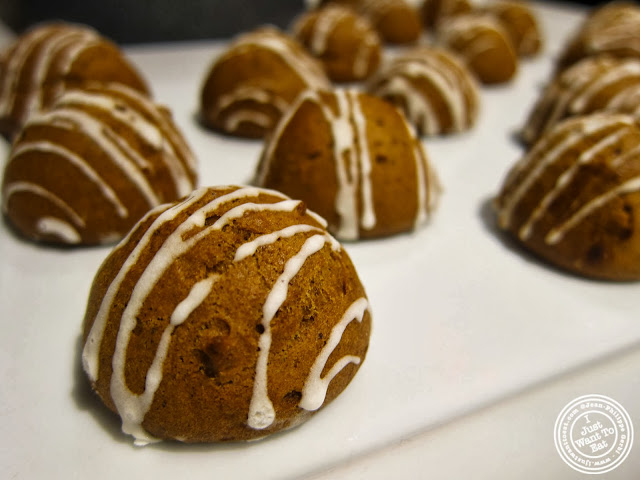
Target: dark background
[{"x": 134, "y": 21}]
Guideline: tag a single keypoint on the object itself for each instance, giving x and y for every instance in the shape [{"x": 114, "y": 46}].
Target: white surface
[{"x": 462, "y": 319}]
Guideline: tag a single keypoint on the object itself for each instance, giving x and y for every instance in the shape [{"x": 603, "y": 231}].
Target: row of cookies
[
  {"x": 91, "y": 152},
  {"x": 225, "y": 313},
  {"x": 488, "y": 36},
  {"x": 257, "y": 78},
  {"x": 574, "y": 197}
]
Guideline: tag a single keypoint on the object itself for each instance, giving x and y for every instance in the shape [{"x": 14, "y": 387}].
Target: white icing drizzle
[
  {"x": 299, "y": 63},
  {"x": 363, "y": 58},
  {"x": 15, "y": 65},
  {"x": 242, "y": 209},
  {"x": 343, "y": 146},
  {"x": 558, "y": 233},
  {"x": 587, "y": 126},
  {"x": 404, "y": 76},
  {"x": 173, "y": 247},
  {"x": 95, "y": 130},
  {"x": 368, "y": 215},
  {"x": 261, "y": 412},
  {"x": 94, "y": 339},
  {"x": 254, "y": 94},
  {"x": 233, "y": 120},
  {"x": 116, "y": 109},
  {"x": 243, "y": 93},
  {"x": 133, "y": 407},
  {"x": 50, "y": 51},
  {"x": 567, "y": 176},
  {"x": 74, "y": 159},
  {"x": 177, "y": 143},
  {"x": 474, "y": 30},
  {"x": 248, "y": 249},
  {"x": 626, "y": 100},
  {"x": 348, "y": 126},
  {"x": 423, "y": 179},
  {"x": 59, "y": 228},
  {"x": 317, "y": 218},
  {"x": 418, "y": 106},
  {"x": 326, "y": 22},
  {"x": 352, "y": 161},
  {"x": 91, "y": 350},
  {"x": 611, "y": 28},
  {"x": 614, "y": 74},
  {"x": 66, "y": 57},
  {"x": 21, "y": 186},
  {"x": 153, "y": 135},
  {"x": 315, "y": 386},
  {"x": 625, "y": 156}
]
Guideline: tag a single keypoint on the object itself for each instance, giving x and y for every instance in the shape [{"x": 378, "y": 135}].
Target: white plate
[{"x": 461, "y": 317}]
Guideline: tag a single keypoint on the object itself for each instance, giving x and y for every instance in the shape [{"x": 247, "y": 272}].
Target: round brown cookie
[
  {"x": 355, "y": 160},
  {"x": 599, "y": 83},
  {"x": 397, "y": 21},
  {"x": 230, "y": 315},
  {"x": 345, "y": 42},
  {"x": 86, "y": 170},
  {"x": 520, "y": 23},
  {"x": 434, "y": 89},
  {"x": 613, "y": 29},
  {"x": 435, "y": 11},
  {"x": 51, "y": 58},
  {"x": 482, "y": 41},
  {"x": 574, "y": 198},
  {"x": 255, "y": 80}
]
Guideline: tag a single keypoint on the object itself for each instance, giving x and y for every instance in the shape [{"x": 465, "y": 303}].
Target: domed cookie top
[
  {"x": 435, "y": 90},
  {"x": 255, "y": 80},
  {"x": 397, "y": 21},
  {"x": 520, "y": 23},
  {"x": 346, "y": 43},
  {"x": 613, "y": 29},
  {"x": 355, "y": 160},
  {"x": 51, "y": 58},
  {"x": 230, "y": 315},
  {"x": 574, "y": 199},
  {"x": 590, "y": 85},
  {"x": 87, "y": 169},
  {"x": 435, "y": 11},
  {"x": 482, "y": 41}
]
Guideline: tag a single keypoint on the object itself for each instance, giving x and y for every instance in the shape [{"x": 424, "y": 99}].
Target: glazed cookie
[
  {"x": 251, "y": 85},
  {"x": 227, "y": 316},
  {"x": 574, "y": 198},
  {"x": 51, "y": 58},
  {"x": 600, "y": 83},
  {"x": 355, "y": 160},
  {"x": 346, "y": 43},
  {"x": 520, "y": 23},
  {"x": 482, "y": 41},
  {"x": 86, "y": 170},
  {"x": 435, "y": 90},
  {"x": 397, "y": 21},
  {"x": 613, "y": 29}
]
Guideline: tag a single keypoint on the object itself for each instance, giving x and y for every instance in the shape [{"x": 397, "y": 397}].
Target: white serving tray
[{"x": 462, "y": 318}]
